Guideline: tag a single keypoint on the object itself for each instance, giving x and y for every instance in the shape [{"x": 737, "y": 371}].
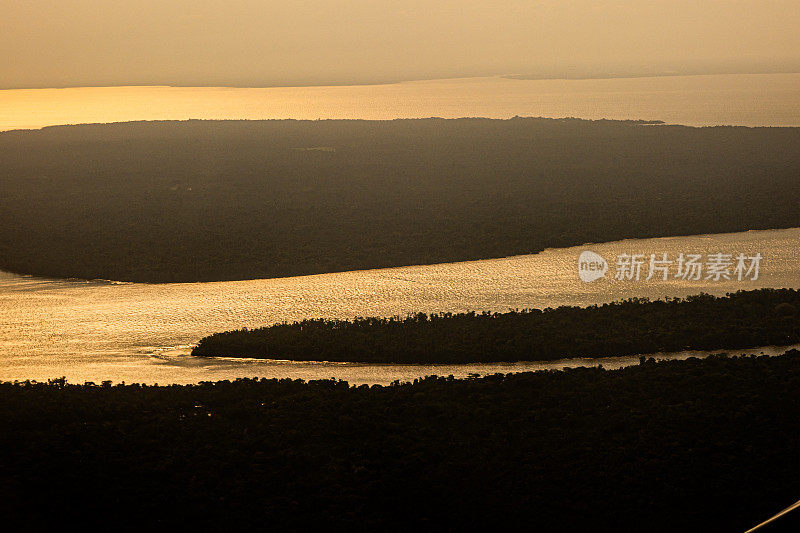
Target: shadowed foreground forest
[
  {"x": 694, "y": 445},
  {"x": 744, "y": 319},
  {"x": 221, "y": 200}
]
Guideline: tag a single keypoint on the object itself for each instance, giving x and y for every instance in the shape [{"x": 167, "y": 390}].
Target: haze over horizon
[{"x": 46, "y": 43}]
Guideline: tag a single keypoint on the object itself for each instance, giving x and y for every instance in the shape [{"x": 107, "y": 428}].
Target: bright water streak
[
  {"x": 141, "y": 332},
  {"x": 732, "y": 99}
]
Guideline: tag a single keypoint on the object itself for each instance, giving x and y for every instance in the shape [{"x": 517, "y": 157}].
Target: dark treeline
[
  {"x": 198, "y": 201},
  {"x": 695, "y": 445},
  {"x": 743, "y": 319}
]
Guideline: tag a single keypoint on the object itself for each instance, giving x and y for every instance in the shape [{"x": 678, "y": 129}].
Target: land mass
[
  {"x": 744, "y": 319},
  {"x": 695, "y": 445},
  {"x": 226, "y": 200}
]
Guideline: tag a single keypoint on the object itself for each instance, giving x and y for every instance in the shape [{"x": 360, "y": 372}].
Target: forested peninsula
[
  {"x": 225, "y": 200},
  {"x": 744, "y": 319}
]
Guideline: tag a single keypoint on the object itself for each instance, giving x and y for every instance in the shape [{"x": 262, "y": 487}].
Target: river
[
  {"x": 101, "y": 330},
  {"x": 133, "y": 332}
]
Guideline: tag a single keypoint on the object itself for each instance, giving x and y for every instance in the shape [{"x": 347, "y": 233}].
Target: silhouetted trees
[
  {"x": 743, "y": 319},
  {"x": 695, "y": 445},
  {"x": 200, "y": 201}
]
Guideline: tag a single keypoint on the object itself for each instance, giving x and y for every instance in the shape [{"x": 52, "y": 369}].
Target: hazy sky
[{"x": 53, "y": 43}]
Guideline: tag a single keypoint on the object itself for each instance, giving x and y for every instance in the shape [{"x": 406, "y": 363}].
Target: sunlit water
[
  {"x": 141, "y": 333},
  {"x": 734, "y": 99},
  {"x": 137, "y": 332}
]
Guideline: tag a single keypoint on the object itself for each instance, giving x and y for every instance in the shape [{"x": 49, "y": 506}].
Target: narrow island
[{"x": 744, "y": 319}]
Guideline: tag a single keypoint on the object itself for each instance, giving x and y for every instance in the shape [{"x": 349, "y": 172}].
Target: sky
[{"x": 260, "y": 43}]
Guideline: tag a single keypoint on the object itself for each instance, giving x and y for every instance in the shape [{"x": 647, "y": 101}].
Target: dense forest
[
  {"x": 744, "y": 319},
  {"x": 695, "y": 445},
  {"x": 220, "y": 200}
]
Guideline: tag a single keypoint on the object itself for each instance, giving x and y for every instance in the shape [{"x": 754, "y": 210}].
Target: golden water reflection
[{"x": 140, "y": 332}]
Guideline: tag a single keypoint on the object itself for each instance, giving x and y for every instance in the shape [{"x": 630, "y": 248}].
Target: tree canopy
[
  {"x": 695, "y": 445},
  {"x": 223, "y": 200},
  {"x": 743, "y": 319}
]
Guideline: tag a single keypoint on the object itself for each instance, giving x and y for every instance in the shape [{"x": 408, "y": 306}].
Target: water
[
  {"x": 137, "y": 332},
  {"x": 734, "y": 99},
  {"x": 97, "y": 330}
]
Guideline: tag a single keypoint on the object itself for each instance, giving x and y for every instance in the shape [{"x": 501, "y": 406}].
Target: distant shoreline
[
  {"x": 396, "y": 81},
  {"x": 693, "y": 100},
  {"x": 634, "y": 75}
]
